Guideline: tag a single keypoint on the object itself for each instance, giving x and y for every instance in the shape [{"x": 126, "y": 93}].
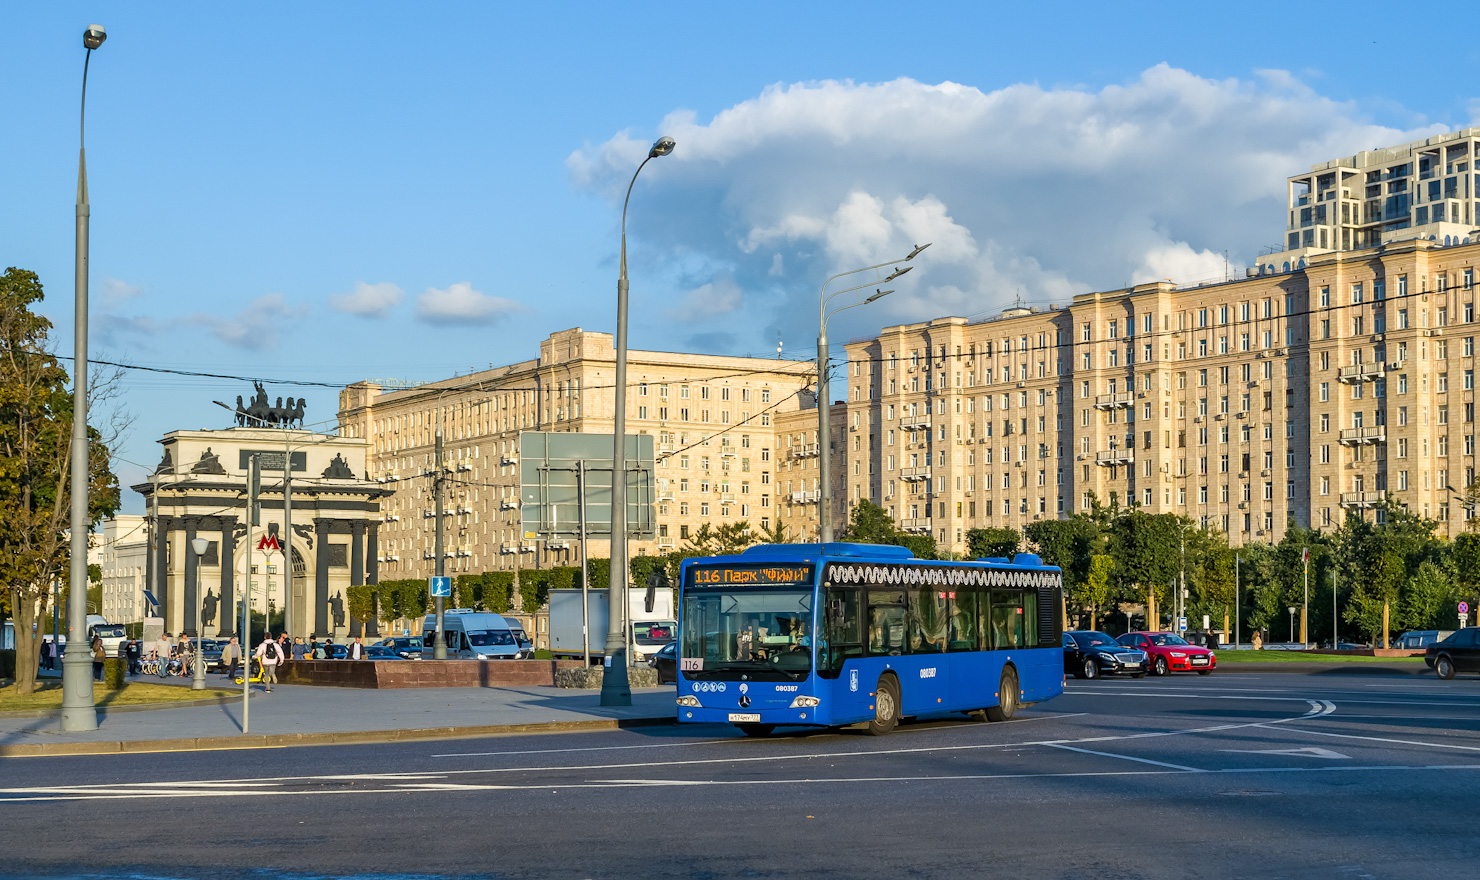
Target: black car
[
  {"x": 1089, "y": 654},
  {"x": 666, "y": 662},
  {"x": 1458, "y": 653},
  {"x": 408, "y": 647},
  {"x": 381, "y": 652}
]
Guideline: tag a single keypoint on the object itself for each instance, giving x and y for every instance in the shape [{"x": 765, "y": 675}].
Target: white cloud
[
  {"x": 1031, "y": 190},
  {"x": 258, "y": 326},
  {"x": 461, "y": 304},
  {"x": 368, "y": 300},
  {"x": 116, "y": 291},
  {"x": 719, "y": 297}
]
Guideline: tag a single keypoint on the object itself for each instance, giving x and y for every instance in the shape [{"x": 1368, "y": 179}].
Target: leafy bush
[{"x": 113, "y": 673}]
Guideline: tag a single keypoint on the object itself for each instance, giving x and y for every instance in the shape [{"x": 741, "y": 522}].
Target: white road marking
[
  {"x": 61, "y": 794},
  {"x": 703, "y": 742},
  {"x": 1382, "y": 739},
  {"x": 1309, "y": 752},
  {"x": 1124, "y": 758}
]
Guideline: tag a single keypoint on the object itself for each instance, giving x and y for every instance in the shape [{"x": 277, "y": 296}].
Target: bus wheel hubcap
[{"x": 886, "y": 706}]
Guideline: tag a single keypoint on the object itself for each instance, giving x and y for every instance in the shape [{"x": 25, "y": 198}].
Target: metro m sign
[{"x": 269, "y": 542}]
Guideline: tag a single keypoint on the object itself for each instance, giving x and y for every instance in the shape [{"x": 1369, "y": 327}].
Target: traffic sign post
[
  {"x": 1464, "y": 614},
  {"x": 440, "y": 587}
]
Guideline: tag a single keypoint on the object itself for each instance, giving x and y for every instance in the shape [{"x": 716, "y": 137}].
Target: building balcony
[
  {"x": 914, "y": 423},
  {"x": 1113, "y": 401},
  {"x": 1357, "y": 373},
  {"x": 1363, "y": 436},
  {"x": 911, "y": 474},
  {"x": 805, "y": 450},
  {"x": 805, "y": 497},
  {"x": 1113, "y": 457},
  {"x": 1361, "y": 500},
  {"x": 917, "y": 526}
]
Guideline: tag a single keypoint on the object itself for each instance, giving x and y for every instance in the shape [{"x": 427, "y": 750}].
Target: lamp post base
[
  {"x": 78, "y": 710},
  {"x": 616, "y": 687}
]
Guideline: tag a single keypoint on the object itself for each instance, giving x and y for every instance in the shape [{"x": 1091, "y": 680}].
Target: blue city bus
[{"x": 824, "y": 635}]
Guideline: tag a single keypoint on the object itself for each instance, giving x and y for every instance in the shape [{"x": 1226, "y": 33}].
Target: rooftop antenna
[{"x": 778, "y": 345}]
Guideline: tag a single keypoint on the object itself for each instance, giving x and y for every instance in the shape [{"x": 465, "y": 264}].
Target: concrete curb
[
  {"x": 134, "y": 707},
  {"x": 288, "y": 740}
]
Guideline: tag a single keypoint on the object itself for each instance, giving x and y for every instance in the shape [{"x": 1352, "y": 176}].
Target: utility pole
[
  {"x": 1237, "y": 605},
  {"x": 254, "y": 479},
  {"x": 585, "y": 563},
  {"x": 1335, "y": 639},
  {"x": 1305, "y": 603},
  {"x": 287, "y": 535},
  {"x": 439, "y": 644}
]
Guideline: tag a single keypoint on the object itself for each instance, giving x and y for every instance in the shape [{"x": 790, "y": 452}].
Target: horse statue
[{"x": 241, "y": 413}]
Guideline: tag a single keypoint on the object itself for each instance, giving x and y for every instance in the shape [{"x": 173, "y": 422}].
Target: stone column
[
  {"x": 372, "y": 573},
  {"x": 356, "y": 568},
  {"x": 190, "y": 620},
  {"x": 321, "y": 580},
  {"x": 162, "y": 566},
  {"x": 226, "y": 615}
]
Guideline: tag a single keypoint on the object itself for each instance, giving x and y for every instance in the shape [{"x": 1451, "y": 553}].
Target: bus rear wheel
[
  {"x": 757, "y": 729},
  {"x": 1007, "y": 697},
  {"x": 886, "y": 706}
]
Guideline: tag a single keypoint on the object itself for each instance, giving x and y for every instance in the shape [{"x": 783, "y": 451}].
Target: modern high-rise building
[{"x": 1426, "y": 189}]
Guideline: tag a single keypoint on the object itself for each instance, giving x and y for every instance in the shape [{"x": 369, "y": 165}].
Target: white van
[{"x": 476, "y": 635}]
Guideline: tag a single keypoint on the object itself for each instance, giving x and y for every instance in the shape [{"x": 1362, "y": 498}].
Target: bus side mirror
[{"x": 659, "y": 578}]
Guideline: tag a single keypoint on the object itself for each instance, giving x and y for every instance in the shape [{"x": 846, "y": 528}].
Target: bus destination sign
[{"x": 751, "y": 575}]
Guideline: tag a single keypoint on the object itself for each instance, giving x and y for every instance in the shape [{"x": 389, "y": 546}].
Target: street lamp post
[
  {"x": 1291, "y": 609},
  {"x": 78, "y": 710},
  {"x": 615, "y": 689},
  {"x": 198, "y": 683},
  {"x": 824, "y": 431}
]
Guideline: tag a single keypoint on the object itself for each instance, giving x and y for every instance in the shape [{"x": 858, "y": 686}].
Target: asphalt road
[{"x": 1226, "y": 776}]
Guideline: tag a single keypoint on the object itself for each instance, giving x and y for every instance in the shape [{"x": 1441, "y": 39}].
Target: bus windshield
[
  {"x": 657, "y": 633},
  {"x": 482, "y": 638},
  {"x": 763, "y": 634}
]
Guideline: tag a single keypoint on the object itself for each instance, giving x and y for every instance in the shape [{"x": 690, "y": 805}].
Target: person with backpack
[{"x": 269, "y": 654}]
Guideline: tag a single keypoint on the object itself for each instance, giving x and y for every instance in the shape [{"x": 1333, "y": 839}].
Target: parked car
[
  {"x": 1089, "y": 654},
  {"x": 1458, "y": 653},
  {"x": 1421, "y": 638},
  {"x": 337, "y": 652},
  {"x": 406, "y": 647},
  {"x": 210, "y": 653},
  {"x": 1170, "y": 652},
  {"x": 381, "y": 652},
  {"x": 666, "y": 662}
]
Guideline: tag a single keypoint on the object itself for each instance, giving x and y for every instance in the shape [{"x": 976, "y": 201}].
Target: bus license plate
[{"x": 745, "y": 717}]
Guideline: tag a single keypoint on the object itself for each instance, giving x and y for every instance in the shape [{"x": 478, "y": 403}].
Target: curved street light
[
  {"x": 79, "y": 712},
  {"x": 824, "y": 435},
  {"x": 615, "y": 689}
]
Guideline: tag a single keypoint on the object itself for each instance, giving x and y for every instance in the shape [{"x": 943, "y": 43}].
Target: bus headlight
[
  {"x": 804, "y": 702},
  {"x": 690, "y": 700}
]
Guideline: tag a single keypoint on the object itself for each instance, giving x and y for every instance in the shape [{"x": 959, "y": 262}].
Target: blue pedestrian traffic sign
[{"x": 441, "y": 586}]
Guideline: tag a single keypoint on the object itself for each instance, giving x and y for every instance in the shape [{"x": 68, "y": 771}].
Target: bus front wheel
[
  {"x": 1007, "y": 697},
  {"x": 886, "y": 706}
]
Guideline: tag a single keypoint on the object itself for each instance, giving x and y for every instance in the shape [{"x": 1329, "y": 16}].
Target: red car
[{"x": 1170, "y": 652}]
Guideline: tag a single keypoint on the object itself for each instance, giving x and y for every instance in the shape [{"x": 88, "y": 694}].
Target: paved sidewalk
[{"x": 304, "y": 715}]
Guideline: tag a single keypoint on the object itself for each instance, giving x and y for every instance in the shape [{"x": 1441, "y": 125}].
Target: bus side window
[
  {"x": 927, "y": 620},
  {"x": 1030, "y": 619},
  {"x": 886, "y": 622},
  {"x": 963, "y": 621},
  {"x": 1007, "y": 620}
]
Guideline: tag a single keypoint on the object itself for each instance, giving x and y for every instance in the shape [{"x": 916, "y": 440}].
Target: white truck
[
  {"x": 112, "y": 634},
  {"x": 651, "y": 630}
]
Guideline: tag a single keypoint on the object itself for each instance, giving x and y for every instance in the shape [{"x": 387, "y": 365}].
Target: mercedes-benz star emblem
[{"x": 745, "y": 702}]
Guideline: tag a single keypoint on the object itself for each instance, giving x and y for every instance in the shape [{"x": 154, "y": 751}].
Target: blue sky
[{"x": 329, "y": 192}]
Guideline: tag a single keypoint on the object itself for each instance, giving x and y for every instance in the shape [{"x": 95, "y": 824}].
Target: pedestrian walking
[
  {"x": 286, "y": 645},
  {"x": 356, "y": 650},
  {"x": 231, "y": 657},
  {"x": 329, "y": 648},
  {"x": 99, "y": 654},
  {"x": 162, "y": 651},
  {"x": 49, "y": 654},
  {"x": 269, "y": 654},
  {"x": 315, "y": 650}
]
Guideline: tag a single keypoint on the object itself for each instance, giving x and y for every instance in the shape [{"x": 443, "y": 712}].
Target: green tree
[
  {"x": 982, "y": 543},
  {"x": 1216, "y": 584},
  {"x": 35, "y": 461},
  {"x": 359, "y": 602},
  {"x": 1095, "y": 591},
  {"x": 868, "y": 523},
  {"x": 1147, "y": 551},
  {"x": 1429, "y": 600},
  {"x": 775, "y": 534}
]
